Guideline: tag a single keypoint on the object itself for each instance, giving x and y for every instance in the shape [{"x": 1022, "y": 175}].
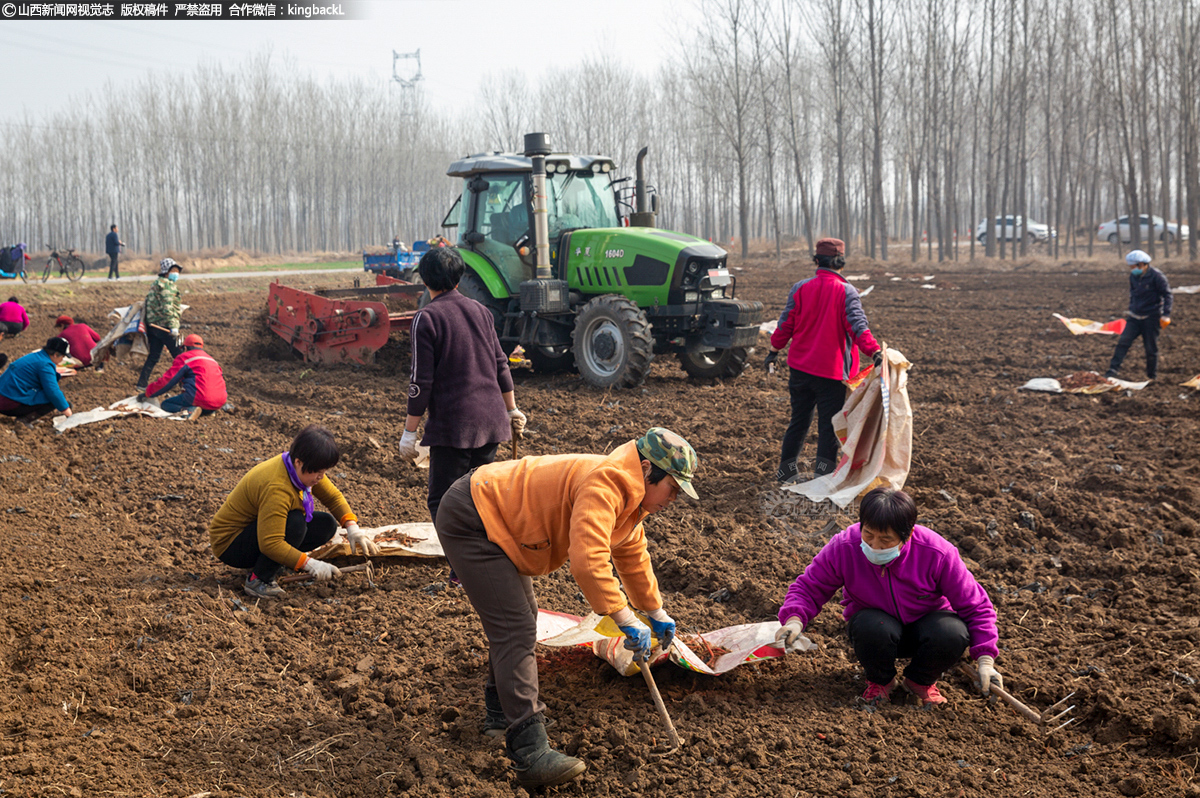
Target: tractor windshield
[{"x": 580, "y": 199}]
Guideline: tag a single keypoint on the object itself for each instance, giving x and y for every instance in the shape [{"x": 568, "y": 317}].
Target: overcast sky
[{"x": 47, "y": 63}]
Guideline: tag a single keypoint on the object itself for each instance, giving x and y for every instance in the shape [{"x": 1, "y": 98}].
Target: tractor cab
[{"x": 494, "y": 213}]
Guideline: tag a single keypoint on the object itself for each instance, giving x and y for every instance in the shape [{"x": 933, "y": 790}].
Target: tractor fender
[{"x": 487, "y": 273}]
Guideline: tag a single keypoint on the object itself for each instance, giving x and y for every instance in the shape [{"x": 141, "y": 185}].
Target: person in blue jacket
[
  {"x": 1149, "y": 311},
  {"x": 29, "y": 387}
]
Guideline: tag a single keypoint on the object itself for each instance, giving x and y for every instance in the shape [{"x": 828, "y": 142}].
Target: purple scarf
[{"x": 305, "y": 493}]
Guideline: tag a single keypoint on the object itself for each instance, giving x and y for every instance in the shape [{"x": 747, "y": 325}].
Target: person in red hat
[
  {"x": 200, "y": 377},
  {"x": 824, "y": 322},
  {"x": 81, "y": 337}
]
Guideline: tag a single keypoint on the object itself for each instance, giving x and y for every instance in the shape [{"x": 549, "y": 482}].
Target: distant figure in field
[
  {"x": 112, "y": 246},
  {"x": 199, "y": 377},
  {"x": 29, "y": 388},
  {"x": 1149, "y": 311},
  {"x": 81, "y": 338}
]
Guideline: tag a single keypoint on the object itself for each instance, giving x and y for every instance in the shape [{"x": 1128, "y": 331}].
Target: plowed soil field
[{"x": 133, "y": 665}]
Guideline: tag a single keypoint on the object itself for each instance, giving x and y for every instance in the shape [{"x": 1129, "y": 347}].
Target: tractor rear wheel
[
  {"x": 550, "y": 359},
  {"x": 612, "y": 343},
  {"x": 717, "y": 364}
]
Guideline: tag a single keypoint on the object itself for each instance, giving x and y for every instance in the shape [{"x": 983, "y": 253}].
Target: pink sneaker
[
  {"x": 927, "y": 695},
  {"x": 877, "y": 692}
]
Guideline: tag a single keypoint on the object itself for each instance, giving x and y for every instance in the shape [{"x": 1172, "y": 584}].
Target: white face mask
[{"x": 880, "y": 556}]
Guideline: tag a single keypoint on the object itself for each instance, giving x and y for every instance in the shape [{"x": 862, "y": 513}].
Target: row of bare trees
[{"x": 870, "y": 120}]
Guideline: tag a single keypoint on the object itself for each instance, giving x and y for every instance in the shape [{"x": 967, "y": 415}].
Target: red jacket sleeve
[{"x": 165, "y": 379}]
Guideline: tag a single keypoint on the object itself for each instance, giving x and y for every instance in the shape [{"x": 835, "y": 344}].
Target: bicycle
[{"x": 69, "y": 266}]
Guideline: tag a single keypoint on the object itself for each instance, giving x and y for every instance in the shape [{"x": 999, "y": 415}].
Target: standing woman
[
  {"x": 906, "y": 594},
  {"x": 161, "y": 316},
  {"x": 459, "y": 376},
  {"x": 270, "y": 521},
  {"x": 825, "y": 324}
]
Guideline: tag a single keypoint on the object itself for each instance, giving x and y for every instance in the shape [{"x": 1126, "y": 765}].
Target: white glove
[
  {"x": 517, "y": 419},
  {"x": 174, "y": 332},
  {"x": 359, "y": 539},
  {"x": 988, "y": 674},
  {"x": 321, "y": 570},
  {"x": 790, "y": 636},
  {"x": 408, "y": 445}
]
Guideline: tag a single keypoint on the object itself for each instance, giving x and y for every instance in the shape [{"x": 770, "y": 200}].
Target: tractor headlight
[
  {"x": 691, "y": 296},
  {"x": 718, "y": 293}
]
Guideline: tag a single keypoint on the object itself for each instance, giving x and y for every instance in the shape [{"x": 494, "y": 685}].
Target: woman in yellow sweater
[
  {"x": 269, "y": 520},
  {"x": 505, "y": 522}
]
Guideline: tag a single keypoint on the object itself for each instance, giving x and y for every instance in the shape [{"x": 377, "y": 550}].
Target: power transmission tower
[{"x": 408, "y": 83}]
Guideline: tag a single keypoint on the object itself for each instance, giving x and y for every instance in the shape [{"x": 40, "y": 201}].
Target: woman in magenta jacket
[{"x": 906, "y": 594}]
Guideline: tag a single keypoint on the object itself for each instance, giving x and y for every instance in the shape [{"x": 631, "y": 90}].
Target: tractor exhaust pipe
[
  {"x": 537, "y": 148},
  {"x": 543, "y": 294},
  {"x": 643, "y": 215}
]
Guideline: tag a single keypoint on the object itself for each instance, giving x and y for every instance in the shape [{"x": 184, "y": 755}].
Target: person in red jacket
[
  {"x": 824, "y": 321},
  {"x": 200, "y": 377},
  {"x": 81, "y": 337}
]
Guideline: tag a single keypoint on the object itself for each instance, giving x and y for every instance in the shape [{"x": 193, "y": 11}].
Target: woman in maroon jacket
[{"x": 459, "y": 376}]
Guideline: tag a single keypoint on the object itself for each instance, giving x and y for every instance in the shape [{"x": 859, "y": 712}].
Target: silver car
[
  {"x": 1012, "y": 227},
  {"x": 1163, "y": 230}
]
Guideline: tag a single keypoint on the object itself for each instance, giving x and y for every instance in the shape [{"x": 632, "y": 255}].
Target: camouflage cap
[{"x": 672, "y": 454}]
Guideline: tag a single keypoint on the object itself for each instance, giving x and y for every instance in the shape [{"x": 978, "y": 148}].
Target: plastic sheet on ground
[
  {"x": 1044, "y": 384},
  {"x": 395, "y": 540},
  {"x": 1089, "y": 327},
  {"x": 857, "y": 278},
  {"x": 1186, "y": 289},
  {"x": 711, "y": 653},
  {"x": 1091, "y": 382},
  {"x": 1194, "y": 382},
  {"x": 874, "y": 427},
  {"x": 123, "y": 407}
]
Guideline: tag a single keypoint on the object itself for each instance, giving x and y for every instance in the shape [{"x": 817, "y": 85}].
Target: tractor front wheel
[
  {"x": 717, "y": 364},
  {"x": 612, "y": 343}
]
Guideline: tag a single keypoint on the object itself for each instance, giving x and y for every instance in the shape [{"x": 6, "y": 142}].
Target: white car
[
  {"x": 1010, "y": 228},
  {"x": 1163, "y": 230}
]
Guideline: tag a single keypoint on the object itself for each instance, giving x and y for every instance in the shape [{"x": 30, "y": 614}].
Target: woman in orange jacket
[{"x": 506, "y": 522}]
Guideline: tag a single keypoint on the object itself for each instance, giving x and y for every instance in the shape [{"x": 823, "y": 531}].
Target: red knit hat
[
  {"x": 831, "y": 246},
  {"x": 64, "y": 321}
]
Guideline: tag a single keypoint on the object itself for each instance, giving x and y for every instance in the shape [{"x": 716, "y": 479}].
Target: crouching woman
[
  {"x": 269, "y": 521},
  {"x": 906, "y": 594}
]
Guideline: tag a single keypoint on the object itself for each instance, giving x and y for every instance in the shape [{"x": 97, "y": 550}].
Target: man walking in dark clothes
[
  {"x": 1149, "y": 311},
  {"x": 112, "y": 246},
  {"x": 460, "y": 376}
]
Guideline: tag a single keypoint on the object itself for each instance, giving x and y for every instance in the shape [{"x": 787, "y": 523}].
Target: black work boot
[
  {"x": 786, "y": 473},
  {"x": 494, "y": 722},
  {"x": 824, "y": 466},
  {"x": 536, "y": 763}
]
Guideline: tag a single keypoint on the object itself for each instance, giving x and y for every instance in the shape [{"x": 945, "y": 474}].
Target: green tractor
[{"x": 547, "y": 253}]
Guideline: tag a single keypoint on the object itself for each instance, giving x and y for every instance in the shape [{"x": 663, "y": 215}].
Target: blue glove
[
  {"x": 637, "y": 640},
  {"x": 664, "y": 628}
]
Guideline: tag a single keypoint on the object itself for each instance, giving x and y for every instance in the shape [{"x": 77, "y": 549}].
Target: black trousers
[
  {"x": 810, "y": 392},
  {"x": 502, "y": 596},
  {"x": 156, "y": 339},
  {"x": 932, "y": 644},
  {"x": 1147, "y": 328},
  {"x": 11, "y": 327},
  {"x": 243, "y": 552},
  {"x": 113, "y": 271},
  {"x": 447, "y": 464}
]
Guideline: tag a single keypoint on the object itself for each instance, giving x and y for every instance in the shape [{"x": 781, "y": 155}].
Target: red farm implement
[{"x": 344, "y": 324}]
